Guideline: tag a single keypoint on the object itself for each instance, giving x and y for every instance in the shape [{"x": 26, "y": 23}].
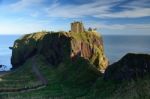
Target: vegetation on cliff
[
  {"x": 70, "y": 64},
  {"x": 59, "y": 47},
  {"x": 131, "y": 66}
]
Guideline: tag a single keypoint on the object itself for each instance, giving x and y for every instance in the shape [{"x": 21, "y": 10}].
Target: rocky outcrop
[
  {"x": 24, "y": 48},
  {"x": 131, "y": 66},
  {"x": 59, "y": 47}
]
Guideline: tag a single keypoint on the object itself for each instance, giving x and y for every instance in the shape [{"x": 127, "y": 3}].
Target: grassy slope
[
  {"x": 58, "y": 86},
  {"x": 81, "y": 83},
  {"x": 19, "y": 78}
]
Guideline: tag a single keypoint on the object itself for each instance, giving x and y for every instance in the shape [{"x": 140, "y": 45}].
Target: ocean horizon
[{"x": 115, "y": 47}]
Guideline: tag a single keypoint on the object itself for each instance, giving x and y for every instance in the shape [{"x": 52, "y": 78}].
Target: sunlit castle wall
[{"x": 77, "y": 27}]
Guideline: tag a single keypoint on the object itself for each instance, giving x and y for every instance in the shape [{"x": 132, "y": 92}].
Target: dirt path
[{"x": 39, "y": 75}]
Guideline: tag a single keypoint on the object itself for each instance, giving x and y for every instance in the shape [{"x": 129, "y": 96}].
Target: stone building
[
  {"x": 77, "y": 27},
  {"x": 92, "y": 29}
]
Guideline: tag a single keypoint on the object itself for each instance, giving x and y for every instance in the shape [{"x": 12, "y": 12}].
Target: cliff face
[
  {"x": 131, "y": 66},
  {"x": 24, "y": 48},
  {"x": 59, "y": 47}
]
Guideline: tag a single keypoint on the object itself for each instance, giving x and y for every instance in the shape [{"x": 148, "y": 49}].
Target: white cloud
[
  {"x": 126, "y": 26},
  {"x": 121, "y": 29},
  {"x": 75, "y": 11},
  {"x": 134, "y": 13},
  {"x": 97, "y": 8},
  {"x": 23, "y": 4},
  {"x": 118, "y": 26},
  {"x": 100, "y": 9}
]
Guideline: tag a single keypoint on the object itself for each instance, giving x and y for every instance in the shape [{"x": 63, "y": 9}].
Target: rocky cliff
[
  {"x": 131, "y": 66},
  {"x": 60, "y": 46}
]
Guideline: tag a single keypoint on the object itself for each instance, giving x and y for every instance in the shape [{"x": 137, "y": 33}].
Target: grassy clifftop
[{"x": 57, "y": 47}]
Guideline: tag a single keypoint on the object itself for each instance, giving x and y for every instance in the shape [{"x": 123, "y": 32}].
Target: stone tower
[{"x": 77, "y": 27}]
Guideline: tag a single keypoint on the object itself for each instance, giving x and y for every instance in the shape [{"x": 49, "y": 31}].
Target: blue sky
[{"x": 115, "y": 17}]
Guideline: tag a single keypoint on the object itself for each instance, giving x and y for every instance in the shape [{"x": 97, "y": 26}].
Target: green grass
[
  {"x": 76, "y": 80},
  {"x": 72, "y": 86},
  {"x": 20, "y": 78}
]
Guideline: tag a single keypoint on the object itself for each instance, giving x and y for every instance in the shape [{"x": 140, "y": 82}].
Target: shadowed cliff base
[{"x": 131, "y": 66}]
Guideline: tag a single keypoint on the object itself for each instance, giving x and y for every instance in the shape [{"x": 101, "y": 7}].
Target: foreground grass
[
  {"x": 75, "y": 80},
  {"x": 20, "y": 78}
]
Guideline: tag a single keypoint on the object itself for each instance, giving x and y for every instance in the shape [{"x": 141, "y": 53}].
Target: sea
[
  {"x": 6, "y": 41},
  {"x": 115, "y": 46}
]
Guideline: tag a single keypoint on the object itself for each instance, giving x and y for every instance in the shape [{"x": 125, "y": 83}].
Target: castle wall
[{"x": 77, "y": 27}]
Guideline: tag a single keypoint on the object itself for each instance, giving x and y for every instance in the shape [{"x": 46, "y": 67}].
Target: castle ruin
[{"x": 77, "y": 27}]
